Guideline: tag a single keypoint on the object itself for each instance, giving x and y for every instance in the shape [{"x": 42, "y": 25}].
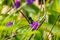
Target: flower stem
[
  {"x": 27, "y": 18},
  {"x": 54, "y": 24},
  {"x": 30, "y": 37}
]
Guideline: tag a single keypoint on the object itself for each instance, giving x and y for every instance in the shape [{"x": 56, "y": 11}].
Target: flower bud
[
  {"x": 34, "y": 25},
  {"x": 9, "y": 24},
  {"x": 29, "y": 2},
  {"x": 16, "y": 4}
]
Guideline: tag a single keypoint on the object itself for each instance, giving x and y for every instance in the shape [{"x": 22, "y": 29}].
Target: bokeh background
[{"x": 14, "y": 26}]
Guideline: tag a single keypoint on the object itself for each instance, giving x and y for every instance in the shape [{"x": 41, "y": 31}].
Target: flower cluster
[
  {"x": 9, "y": 24},
  {"x": 29, "y": 2},
  {"x": 34, "y": 25},
  {"x": 16, "y": 4}
]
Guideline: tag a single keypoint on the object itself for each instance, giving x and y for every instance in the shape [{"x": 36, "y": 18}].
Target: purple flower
[
  {"x": 29, "y": 2},
  {"x": 34, "y": 25},
  {"x": 9, "y": 24},
  {"x": 16, "y": 4}
]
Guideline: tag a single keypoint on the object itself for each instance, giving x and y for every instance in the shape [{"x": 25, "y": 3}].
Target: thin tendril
[
  {"x": 25, "y": 16},
  {"x": 54, "y": 24}
]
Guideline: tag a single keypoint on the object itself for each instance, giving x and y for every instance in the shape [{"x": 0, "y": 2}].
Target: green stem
[{"x": 54, "y": 23}]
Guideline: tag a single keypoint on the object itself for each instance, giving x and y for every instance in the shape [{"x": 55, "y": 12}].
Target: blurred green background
[{"x": 21, "y": 26}]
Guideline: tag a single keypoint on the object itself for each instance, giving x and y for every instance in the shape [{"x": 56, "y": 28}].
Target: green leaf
[
  {"x": 31, "y": 9},
  {"x": 57, "y": 5},
  {"x": 35, "y": 8},
  {"x": 52, "y": 16},
  {"x": 39, "y": 36}
]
